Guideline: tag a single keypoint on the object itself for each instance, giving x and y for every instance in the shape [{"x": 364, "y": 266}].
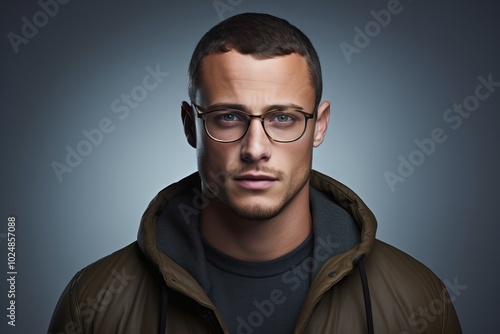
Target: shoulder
[
  {"x": 394, "y": 264},
  {"x": 116, "y": 276},
  {"x": 392, "y": 271},
  {"x": 128, "y": 257},
  {"x": 109, "y": 294},
  {"x": 383, "y": 251}
]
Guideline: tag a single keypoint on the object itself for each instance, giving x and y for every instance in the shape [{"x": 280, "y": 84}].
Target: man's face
[{"x": 256, "y": 177}]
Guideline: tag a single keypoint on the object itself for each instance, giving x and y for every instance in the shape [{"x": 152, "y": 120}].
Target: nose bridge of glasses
[{"x": 258, "y": 118}]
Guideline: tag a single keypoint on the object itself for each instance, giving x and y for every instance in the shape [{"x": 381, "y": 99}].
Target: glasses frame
[{"x": 202, "y": 113}]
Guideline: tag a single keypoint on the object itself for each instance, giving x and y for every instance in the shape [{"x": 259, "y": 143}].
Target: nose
[{"x": 256, "y": 145}]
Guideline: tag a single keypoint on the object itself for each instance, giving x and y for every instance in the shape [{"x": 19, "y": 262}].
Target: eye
[
  {"x": 227, "y": 117},
  {"x": 283, "y": 118}
]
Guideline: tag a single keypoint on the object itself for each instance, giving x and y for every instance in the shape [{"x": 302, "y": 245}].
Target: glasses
[{"x": 284, "y": 124}]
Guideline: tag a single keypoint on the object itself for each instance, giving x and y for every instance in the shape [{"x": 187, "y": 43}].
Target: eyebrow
[{"x": 237, "y": 106}]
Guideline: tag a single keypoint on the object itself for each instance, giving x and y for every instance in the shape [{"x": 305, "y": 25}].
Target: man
[{"x": 255, "y": 241}]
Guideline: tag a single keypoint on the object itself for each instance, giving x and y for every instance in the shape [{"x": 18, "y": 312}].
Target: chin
[
  {"x": 257, "y": 211},
  {"x": 262, "y": 208}
]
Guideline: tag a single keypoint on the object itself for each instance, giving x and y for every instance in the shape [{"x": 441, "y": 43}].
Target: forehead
[{"x": 234, "y": 77}]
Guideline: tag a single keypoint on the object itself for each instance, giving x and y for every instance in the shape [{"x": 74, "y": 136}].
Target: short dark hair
[{"x": 260, "y": 35}]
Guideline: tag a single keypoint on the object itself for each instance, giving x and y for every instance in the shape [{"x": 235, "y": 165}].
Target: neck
[{"x": 257, "y": 240}]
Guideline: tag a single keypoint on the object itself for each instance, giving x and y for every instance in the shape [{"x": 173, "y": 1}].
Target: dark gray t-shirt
[{"x": 260, "y": 297}]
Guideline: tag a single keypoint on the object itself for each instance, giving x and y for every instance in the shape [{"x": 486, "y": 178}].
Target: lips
[
  {"x": 257, "y": 177},
  {"x": 255, "y": 181}
]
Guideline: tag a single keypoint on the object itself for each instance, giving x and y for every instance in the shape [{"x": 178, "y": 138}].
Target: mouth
[{"x": 255, "y": 181}]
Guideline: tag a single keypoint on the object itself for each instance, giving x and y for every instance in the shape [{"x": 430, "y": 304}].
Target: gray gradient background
[{"x": 395, "y": 91}]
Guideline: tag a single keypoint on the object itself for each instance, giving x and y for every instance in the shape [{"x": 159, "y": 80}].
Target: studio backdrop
[{"x": 91, "y": 130}]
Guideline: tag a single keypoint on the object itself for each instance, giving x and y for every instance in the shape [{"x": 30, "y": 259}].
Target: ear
[
  {"x": 189, "y": 123},
  {"x": 322, "y": 119}
]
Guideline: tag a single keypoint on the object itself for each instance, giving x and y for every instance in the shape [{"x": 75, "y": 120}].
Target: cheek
[
  {"x": 296, "y": 158},
  {"x": 214, "y": 157},
  {"x": 303, "y": 161}
]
